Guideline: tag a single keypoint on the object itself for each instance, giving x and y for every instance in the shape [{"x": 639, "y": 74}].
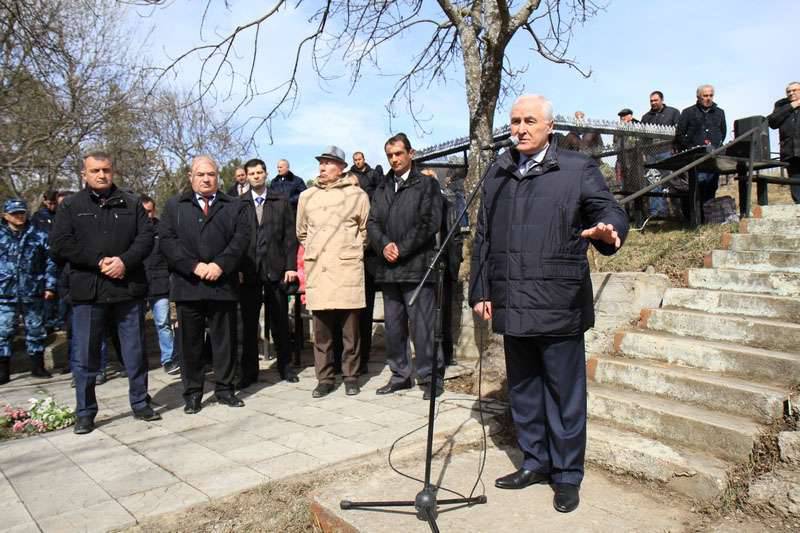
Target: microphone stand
[{"x": 425, "y": 502}]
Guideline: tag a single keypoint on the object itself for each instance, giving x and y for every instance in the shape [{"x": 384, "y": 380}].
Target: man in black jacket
[
  {"x": 541, "y": 208},
  {"x": 404, "y": 218},
  {"x": 155, "y": 267},
  {"x": 240, "y": 185},
  {"x": 204, "y": 233},
  {"x": 368, "y": 179},
  {"x": 287, "y": 184},
  {"x": 786, "y": 119},
  {"x": 660, "y": 113},
  {"x": 103, "y": 234},
  {"x": 702, "y": 124},
  {"x": 268, "y": 266}
]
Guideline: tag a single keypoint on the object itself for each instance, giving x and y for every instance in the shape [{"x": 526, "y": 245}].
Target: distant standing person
[
  {"x": 660, "y": 113},
  {"x": 204, "y": 234},
  {"x": 702, "y": 124},
  {"x": 103, "y": 234},
  {"x": 155, "y": 267},
  {"x": 27, "y": 279},
  {"x": 240, "y": 184},
  {"x": 786, "y": 119},
  {"x": 288, "y": 184}
]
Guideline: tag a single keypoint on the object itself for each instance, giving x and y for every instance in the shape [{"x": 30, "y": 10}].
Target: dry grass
[{"x": 274, "y": 506}]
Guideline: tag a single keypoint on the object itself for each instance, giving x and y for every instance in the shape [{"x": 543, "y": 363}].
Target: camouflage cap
[{"x": 15, "y": 205}]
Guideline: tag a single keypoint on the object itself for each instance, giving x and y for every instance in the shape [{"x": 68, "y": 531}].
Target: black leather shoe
[
  {"x": 84, "y": 425},
  {"x": 231, "y": 400},
  {"x": 290, "y": 377},
  {"x": 520, "y": 479},
  {"x": 566, "y": 498},
  {"x": 146, "y": 413},
  {"x": 391, "y": 387},
  {"x": 322, "y": 389},
  {"x": 193, "y": 405},
  {"x": 351, "y": 388},
  {"x": 426, "y": 395}
]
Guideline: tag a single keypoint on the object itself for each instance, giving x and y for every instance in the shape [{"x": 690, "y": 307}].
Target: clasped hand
[
  {"x": 207, "y": 271},
  {"x": 113, "y": 267}
]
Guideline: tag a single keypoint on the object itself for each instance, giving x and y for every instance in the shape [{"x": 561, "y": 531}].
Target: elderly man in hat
[
  {"x": 332, "y": 227},
  {"x": 27, "y": 278}
]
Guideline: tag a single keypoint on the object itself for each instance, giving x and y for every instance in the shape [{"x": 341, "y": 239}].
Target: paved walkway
[{"x": 127, "y": 469}]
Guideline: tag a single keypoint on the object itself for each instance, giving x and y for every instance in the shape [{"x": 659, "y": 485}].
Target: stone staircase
[{"x": 689, "y": 390}]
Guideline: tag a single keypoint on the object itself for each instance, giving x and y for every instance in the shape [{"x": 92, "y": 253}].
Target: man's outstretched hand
[{"x": 603, "y": 232}]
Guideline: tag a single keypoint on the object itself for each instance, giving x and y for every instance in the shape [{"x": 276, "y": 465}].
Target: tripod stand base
[{"x": 425, "y": 503}]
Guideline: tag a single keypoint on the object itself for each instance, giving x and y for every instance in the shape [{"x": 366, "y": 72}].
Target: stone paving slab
[
  {"x": 606, "y": 505},
  {"x": 127, "y": 470}
]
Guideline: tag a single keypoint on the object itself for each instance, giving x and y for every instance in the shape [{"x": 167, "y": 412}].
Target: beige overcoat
[{"x": 332, "y": 227}]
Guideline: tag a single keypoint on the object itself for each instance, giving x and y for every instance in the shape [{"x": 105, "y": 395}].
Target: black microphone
[{"x": 508, "y": 143}]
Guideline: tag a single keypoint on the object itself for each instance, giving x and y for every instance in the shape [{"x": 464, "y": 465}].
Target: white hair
[
  {"x": 544, "y": 103},
  {"x": 204, "y": 157},
  {"x": 705, "y": 86}
]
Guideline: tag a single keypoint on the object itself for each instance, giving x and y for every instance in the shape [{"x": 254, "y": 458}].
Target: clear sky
[{"x": 748, "y": 50}]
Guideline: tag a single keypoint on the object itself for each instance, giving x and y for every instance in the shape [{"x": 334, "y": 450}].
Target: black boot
[
  {"x": 4, "y": 370},
  {"x": 37, "y": 367}
]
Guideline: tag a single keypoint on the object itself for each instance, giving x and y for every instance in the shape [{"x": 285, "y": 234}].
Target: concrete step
[
  {"x": 734, "y": 303},
  {"x": 755, "y": 261},
  {"x": 757, "y": 332},
  {"x": 754, "y": 242},
  {"x": 726, "y": 358},
  {"x": 776, "y": 211},
  {"x": 699, "y": 387},
  {"x": 724, "y": 435},
  {"x": 698, "y": 475},
  {"x": 770, "y": 226},
  {"x": 718, "y": 279}
]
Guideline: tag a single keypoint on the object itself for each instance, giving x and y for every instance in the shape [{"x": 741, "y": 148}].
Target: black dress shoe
[
  {"x": 520, "y": 479},
  {"x": 193, "y": 405},
  {"x": 231, "y": 400},
  {"x": 244, "y": 383},
  {"x": 290, "y": 377},
  {"x": 391, "y": 387},
  {"x": 426, "y": 395},
  {"x": 322, "y": 389},
  {"x": 146, "y": 413},
  {"x": 566, "y": 498},
  {"x": 84, "y": 425},
  {"x": 351, "y": 388}
]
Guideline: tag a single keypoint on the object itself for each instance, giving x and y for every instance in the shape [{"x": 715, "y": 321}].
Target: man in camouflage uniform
[{"x": 27, "y": 278}]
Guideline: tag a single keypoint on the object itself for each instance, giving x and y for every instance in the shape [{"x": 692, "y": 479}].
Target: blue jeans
[
  {"x": 89, "y": 328},
  {"x": 33, "y": 315},
  {"x": 166, "y": 340}
]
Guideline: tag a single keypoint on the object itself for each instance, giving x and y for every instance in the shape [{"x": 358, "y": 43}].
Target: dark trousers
[
  {"x": 326, "y": 324},
  {"x": 397, "y": 315},
  {"x": 221, "y": 319},
  {"x": 364, "y": 327},
  {"x": 448, "y": 286},
  {"x": 707, "y": 184},
  {"x": 794, "y": 173},
  {"x": 276, "y": 302},
  {"x": 89, "y": 326},
  {"x": 547, "y": 389}
]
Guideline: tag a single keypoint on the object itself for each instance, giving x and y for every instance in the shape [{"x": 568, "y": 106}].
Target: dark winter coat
[
  {"x": 26, "y": 268},
  {"x": 43, "y": 219},
  {"x": 188, "y": 237},
  {"x": 290, "y": 186},
  {"x": 368, "y": 179},
  {"x": 787, "y": 121},
  {"x": 88, "y": 228},
  {"x": 528, "y": 258},
  {"x": 156, "y": 269},
  {"x": 410, "y": 217},
  {"x": 272, "y": 249},
  {"x": 697, "y": 127},
  {"x": 668, "y": 116}
]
